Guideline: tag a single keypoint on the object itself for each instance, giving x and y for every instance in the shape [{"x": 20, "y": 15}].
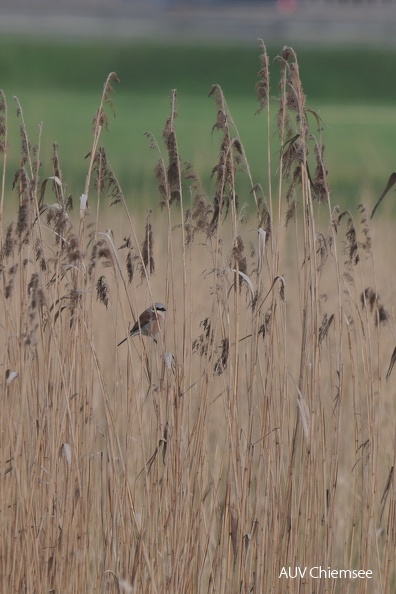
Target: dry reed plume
[{"x": 258, "y": 433}]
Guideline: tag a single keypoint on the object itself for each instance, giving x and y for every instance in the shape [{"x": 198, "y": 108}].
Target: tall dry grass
[{"x": 258, "y": 432}]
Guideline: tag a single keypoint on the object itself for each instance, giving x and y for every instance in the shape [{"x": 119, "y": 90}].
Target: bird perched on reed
[{"x": 149, "y": 323}]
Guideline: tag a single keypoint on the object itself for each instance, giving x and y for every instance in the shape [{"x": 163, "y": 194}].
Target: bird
[{"x": 149, "y": 323}]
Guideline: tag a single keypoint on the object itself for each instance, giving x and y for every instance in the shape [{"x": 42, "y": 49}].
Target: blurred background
[
  {"x": 314, "y": 21},
  {"x": 55, "y": 56}
]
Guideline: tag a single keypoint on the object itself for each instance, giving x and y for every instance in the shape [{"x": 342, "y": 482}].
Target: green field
[{"x": 59, "y": 84}]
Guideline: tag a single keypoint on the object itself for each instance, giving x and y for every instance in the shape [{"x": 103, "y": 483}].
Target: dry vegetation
[{"x": 257, "y": 433}]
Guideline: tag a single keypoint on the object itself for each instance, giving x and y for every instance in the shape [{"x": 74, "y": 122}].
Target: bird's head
[{"x": 160, "y": 307}]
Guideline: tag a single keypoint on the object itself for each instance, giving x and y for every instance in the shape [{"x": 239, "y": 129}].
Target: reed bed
[{"x": 257, "y": 433}]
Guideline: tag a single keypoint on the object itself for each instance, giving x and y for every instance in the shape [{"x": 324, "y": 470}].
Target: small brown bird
[{"x": 149, "y": 323}]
